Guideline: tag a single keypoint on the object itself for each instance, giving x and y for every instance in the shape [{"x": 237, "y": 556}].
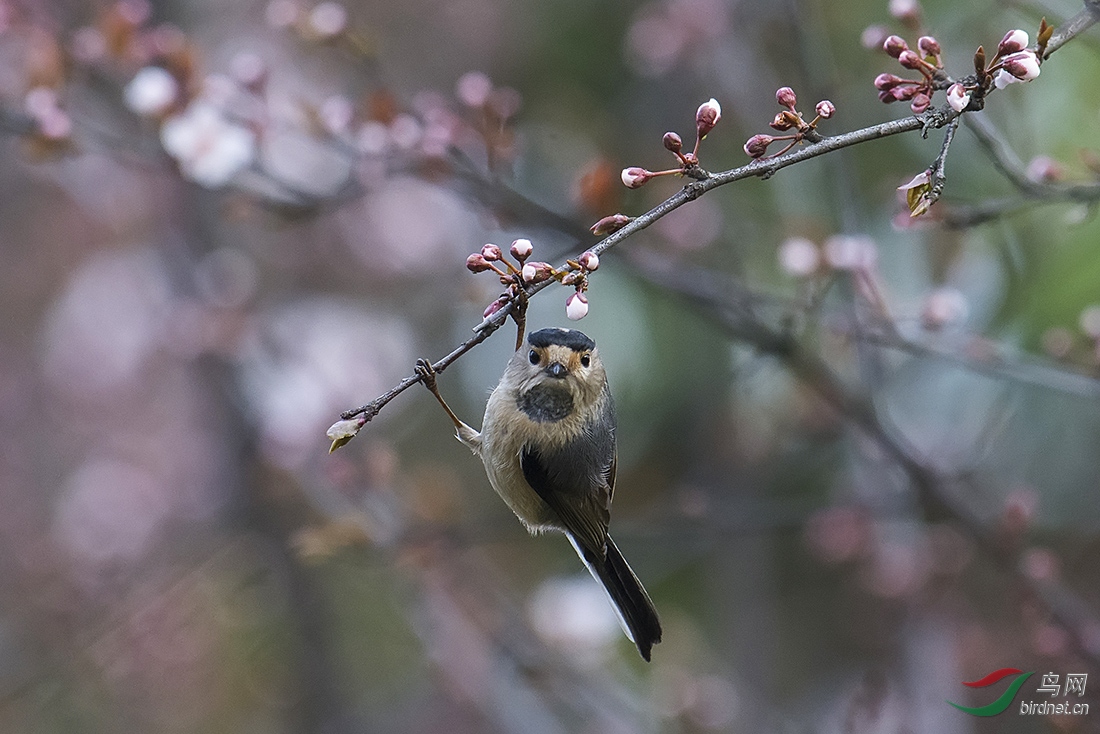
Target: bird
[{"x": 548, "y": 445}]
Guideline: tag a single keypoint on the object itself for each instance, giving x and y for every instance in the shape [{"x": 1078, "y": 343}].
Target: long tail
[{"x": 633, "y": 605}]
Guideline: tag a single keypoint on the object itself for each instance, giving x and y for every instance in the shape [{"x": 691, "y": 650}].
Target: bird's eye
[
  {"x": 533, "y": 356},
  {"x": 586, "y": 360}
]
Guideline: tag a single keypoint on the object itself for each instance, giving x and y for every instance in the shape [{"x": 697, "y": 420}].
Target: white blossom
[
  {"x": 209, "y": 148},
  {"x": 152, "y": 91}
]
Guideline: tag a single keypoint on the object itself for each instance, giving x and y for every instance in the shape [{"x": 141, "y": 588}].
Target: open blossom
[
  {"x": 958, "y": 97},
  {"x": 209, "y": 148},
  {"x": 152, "y": 91}
]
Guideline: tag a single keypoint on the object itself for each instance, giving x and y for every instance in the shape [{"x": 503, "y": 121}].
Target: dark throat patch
[{"x": 546, "y": 404}]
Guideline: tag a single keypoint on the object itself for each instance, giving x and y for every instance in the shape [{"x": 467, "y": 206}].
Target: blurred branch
[
  {"x": 940, "y": 495},
  {"x": 1032, "y": 193},
  {"x": 985, "y": 357}
]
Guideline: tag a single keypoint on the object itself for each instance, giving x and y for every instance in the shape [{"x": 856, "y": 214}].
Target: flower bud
[
  {"x": 707, "y": 116},
  {"x": 920, "y": 103},
  {"x": 576, "y": 306},
  {"x": 610, "y": 224},
  {"x": 491, "y": 252},
  {"x": 883, "y": 82},
  {"x": 757, "y": 145},
  {"x": 589, "y": 261},
  {"x": 786, "y": 97},
  {"x": 634, "y": 177},
  {"x": 476, "y": 263},
  {"x": 929, "y": 46},
  {"x": 521, "y": 249},
  {"x": 894, "y": 45},
  {"x": 825, "y": 109},
  {"x": 536, "y": 272},
  {"x": 1023, "y": 65},
  {"x": 495, "y": 306},
  {"x": 1013, "y": 41},
  {"x": 673, "y": 142},
  {"x": 903, "y": 94},
  {"x": 958, "y": 97},
  {"x": 572, "y": 278},
  {"x": 910, "y": 60}
]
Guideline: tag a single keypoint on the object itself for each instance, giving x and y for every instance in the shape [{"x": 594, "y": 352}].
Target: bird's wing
[{"x": 576, "y": 482}]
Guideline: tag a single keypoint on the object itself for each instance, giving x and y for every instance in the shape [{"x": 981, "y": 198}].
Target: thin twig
[
  {"x": 690, "y": 192},
  {"x": 938, "y": 175}
]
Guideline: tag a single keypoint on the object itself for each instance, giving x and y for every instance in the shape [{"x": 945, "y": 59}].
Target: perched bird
[{"x": 548, "y": 445}]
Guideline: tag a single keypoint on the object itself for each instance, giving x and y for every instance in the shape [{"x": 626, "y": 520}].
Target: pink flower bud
[
  {"x": 476, "y": 263},
  {"x": 958, "y": 97},
  {"x": 607, "y": 225},
  {"x": 903, "y": 94},
  {"x": 536, "y": 272},
  {"x": 910, "y": 60},
  {"x": 521, "y": 249},
  {"x": 757, "y": 145},
  {"x": 491, "y": 252},
  {"x": 799, "y": 257},
  {"x": 572, "y": 278},
  {"x": 907, "y": 11},
  {"x": 786, "y": 97},
  {"x": 920, "y": 103},
  {"x": 634, "y": 177},
  {"x": 707, "y": 116},
  {"x": 1044, "y": 169},
  {"x": 673, "y": 142},
  {"x": 576, "y": 306},
  {"x": 495, "y": 306},
  {"x": 929, "y": 46},
  {"x": 589, "y": 261},
  {"x": 894, "y": 45},
  {"x": 884, "y": 81},
  {"x": 826, "y": 109},
  {"x": 873, "y": 37},
  {"x": 1023, "y": 65},
  {"x": 1013, "y": 41}
]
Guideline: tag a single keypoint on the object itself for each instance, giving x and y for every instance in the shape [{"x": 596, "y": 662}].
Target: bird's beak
[{"x": 556, "y": 370}]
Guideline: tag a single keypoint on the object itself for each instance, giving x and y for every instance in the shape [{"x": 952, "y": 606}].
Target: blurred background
[{"x": 857, "y": 451}]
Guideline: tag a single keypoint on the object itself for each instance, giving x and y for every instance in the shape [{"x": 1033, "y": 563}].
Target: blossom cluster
[
  {"x": 524, "y": 273},
  {"x": 788, "y": 119},
  {"x": 1014, "y": 62},
  {"x": 706, "y": 118}
]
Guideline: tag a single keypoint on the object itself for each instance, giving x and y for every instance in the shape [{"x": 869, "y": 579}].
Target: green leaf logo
[{"x": 1005, "y": 699}]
